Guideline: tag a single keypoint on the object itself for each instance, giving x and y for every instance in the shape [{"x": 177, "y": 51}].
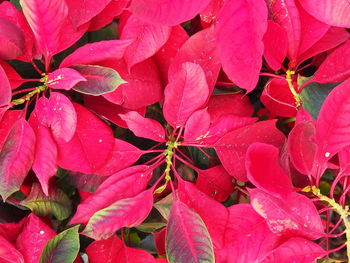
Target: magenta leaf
[
  {"x": 147, "y": 39},
  {"x": 336, "y": 67},
  {"x": 186, "y": 92},
  {"x": 46, "y": 19},
  {"x": 292, "y": 215},
  {"x": 9, "y": 253},
  {"x": 94, "y": 52},
  {"x": 247, "y": 237},
  {"x": 332, "y": 126},
  {"x": 168, "y": 12},
  {"x": 11, "y": 39},
  {"x": 278, "y": 98},
  {"x": 33, "y": 238},
  {"x": 81, "y": 11},
  {"x": 301, "y": 147},
  {"x": 241, "y": 56},
  {"x": 234, "y": 104},
  {"x": 45, "y": 158},
  {"x": 124, "y": 184},
  {"x": 215, "y": 182},
  {"x": 16, "y": 158},
  {"x": 334, "y": 37},
  {"x": 7, "y": 122},
  {"x": 99, "y": 80},
  {"x": 64, "y": 78},
  {"x": 143, "y": 85},
  {"x": 91, "y": 136},
  {"x": 200, "y": 49},
  {"x": 265, "y": 172},
  {"x": 197, "y": 125},
  {"x": 232, "y": 147},
  {"x": 128, "y": 212},
  {"x": 286, "y": 14},
  {"x": 187, "y": 238},
  {"x": 56, "y": 203},
  {"x": 335, "y": 13},
  {"x": 124, "y": 155},
  {"x": 58, "y": 113},
  {"x": 62, "y": 248},
  {"x": 5, "y": 91},
  {"x": 275, "y": 45},
  {"x": 296, "y": 249},
  {"x": 14, "y": 78},
  {"x": 113, "y": 250},
  {"x": 144, "y": 127}
]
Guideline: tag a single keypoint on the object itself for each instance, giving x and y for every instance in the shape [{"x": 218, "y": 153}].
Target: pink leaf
[
  {"x": 168, "y": 12},
  {"x": 335, "y": 13},
  {"x": 265, "y": 172},
  {"x": 312, "y": 30},
  {"x": 334, "y": 37},
  {"x": 286, "y": 14},
  {"x": 301, "y": 147},
  {"x": 222, "y": 126},
  {"x": 7, "y": 122},
  {"x": 247, "y": 236},
  {"x": 278, "y": 98},
  {"x": 143, "y": 85},
  {"x": 232, "y": 148},
  {"x": 213, "y": 213},
  {"x": 128, "y": 212},
  {"x": 215, "y": 182},
  {"x": 113, "y": 9},
  {"x": 147, "y": 39},
  {"x": 44, "y": 164},
  {"x": 113, "y": 250},
  {"x": 16, "y": 158},
  {"x": 197, "y": 125},
  {"x": 186, "y": 92},
  {"x": 91, "y": 136},
  {"x": 241, "y": 55},
  {"x": 164, "y": 57},
  {"x": 12, "y": 40},
  {"x": 8, "y": 253},
  {"x": 14, "y": 78},
  {"x": 124, "y": 184},
  {"x": 124, "y": 155},
  {"x": 293, "y": 215},
  {"x": 81, "y": 11},
  {"x": 108, "y": 110},
  {"x": 234, "y": 104},
  {"x": 275, "y": 45},
  {"x": 144, "y": 127},
  {"x": 336, "y": 66},
  {"x": 58, "y": 113},
  {"x": 46, "y": 19},
  {"x": 94, "y": 52},
  {"x": 33, "y": 238},
  {"x": 64, "y": 78},
  {"x": 187, "y": 238},
  {"x": 200, "y": 49},
  {"x": 296, "y": 249},
  {"x": 5, "y": 91}
]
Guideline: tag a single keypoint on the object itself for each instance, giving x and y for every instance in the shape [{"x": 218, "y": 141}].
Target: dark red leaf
[
  {"x": 8, "y": 253},
  {"x": 5, "y": 91}
]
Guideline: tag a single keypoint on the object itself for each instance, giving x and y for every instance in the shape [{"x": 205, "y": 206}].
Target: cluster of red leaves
[{"x": 215, "y": 180}]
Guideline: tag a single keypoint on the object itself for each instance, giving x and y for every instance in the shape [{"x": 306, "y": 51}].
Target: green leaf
[
  {"x": 313, "y": 96},
  {"x": 150, "y": 227},
  {"x": 56, "y": 204},
  {"x": 164, "y": 205},
  {"x": 100, "y": 80},
  {"x": 62, "y": 248},
  {"x": 187, "y": 237}
]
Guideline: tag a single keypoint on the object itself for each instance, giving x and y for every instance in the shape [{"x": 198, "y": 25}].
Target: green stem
[{"x": 343, "y": 212}]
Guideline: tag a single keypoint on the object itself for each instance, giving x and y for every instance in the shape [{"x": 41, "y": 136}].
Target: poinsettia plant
[{"x": 174, "y": 131}]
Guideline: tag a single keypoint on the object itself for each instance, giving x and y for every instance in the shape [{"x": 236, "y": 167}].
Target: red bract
[{"x": 174, "y": 131}]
